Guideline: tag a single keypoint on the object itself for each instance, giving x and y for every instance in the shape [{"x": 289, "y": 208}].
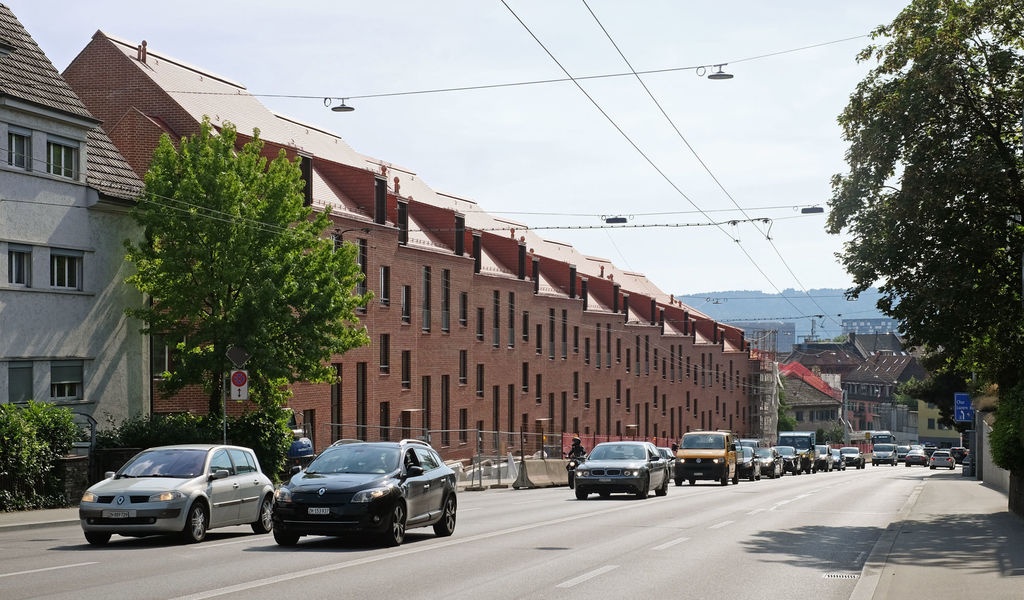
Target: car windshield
[
  {"x": 356, "y": 458},
  {"x": 709, "y": 442},
  {"x": 798, "y": 442},
  {"x": 618, "y": 452},
  {"x": 764, "y": 452},
  {"x": 176, "y": 463},
  {"x": 786, "y": 450},
  {"x": 884, "y": 448},
  {"x": 850, "y": 450}
]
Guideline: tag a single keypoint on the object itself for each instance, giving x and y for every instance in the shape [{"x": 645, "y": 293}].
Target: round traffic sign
[{"x": 239, "y": 378}]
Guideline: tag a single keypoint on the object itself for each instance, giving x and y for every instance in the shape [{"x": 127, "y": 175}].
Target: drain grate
[{"x": 841, "y": 575}]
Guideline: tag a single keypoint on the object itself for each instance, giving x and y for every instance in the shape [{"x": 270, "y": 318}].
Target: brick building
[{"x": 479, "y": 327}]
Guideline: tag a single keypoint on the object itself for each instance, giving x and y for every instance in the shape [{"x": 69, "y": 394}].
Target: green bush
[
  {"x": 1007, "y": 438},
  {"x": 33, "y": 437},
  {"x": 265, "y": 431}
]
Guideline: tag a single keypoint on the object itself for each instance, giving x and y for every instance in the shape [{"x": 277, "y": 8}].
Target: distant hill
[{"x": 824, "y": 308}]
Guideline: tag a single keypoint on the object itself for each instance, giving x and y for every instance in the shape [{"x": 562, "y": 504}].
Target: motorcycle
[{"x": 570, "y": 466}]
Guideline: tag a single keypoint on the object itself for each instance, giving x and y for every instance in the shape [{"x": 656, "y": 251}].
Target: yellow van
[{"x": 706, "y": 455}]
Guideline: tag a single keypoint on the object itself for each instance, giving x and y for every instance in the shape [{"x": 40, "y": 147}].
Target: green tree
[
  {"x": 933, "y": 200},
  {"x": 233, "y": 257}
]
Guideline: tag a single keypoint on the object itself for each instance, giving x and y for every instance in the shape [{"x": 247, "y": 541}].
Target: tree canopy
[
  {"x": 232, "y": 257},
  {"x": 933, "y": 199}
]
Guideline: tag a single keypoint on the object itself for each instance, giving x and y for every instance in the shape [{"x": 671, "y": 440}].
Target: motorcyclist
[{"x": 575, "y": 454}]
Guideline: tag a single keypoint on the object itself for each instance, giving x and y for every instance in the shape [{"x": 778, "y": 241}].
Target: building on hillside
[
  {"x": 778, "y": 336},
  {"x": 480, "y": 328},
  {"x": 831, "y": 358},
  {"x": 65, "y": 192},
  {"x": 870, "y": 393},
  {"x": 812, "y": 402},
  {"x": 871, "y": 326}
]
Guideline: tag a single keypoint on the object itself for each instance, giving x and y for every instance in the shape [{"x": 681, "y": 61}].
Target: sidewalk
[
  {"x": 955, "y": 539},
  {"x": 27, "y": 519}
]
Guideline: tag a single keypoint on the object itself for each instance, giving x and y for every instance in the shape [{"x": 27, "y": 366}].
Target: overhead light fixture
[
  {"x": 346, "y": 108},
  {"x": 614, "y": 220},
  {"x": 719, "y": 74},
  {"x": 811, "y": 210}
]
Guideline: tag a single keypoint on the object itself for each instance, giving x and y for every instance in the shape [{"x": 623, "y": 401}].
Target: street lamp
[{"x": 339, "y": 233}]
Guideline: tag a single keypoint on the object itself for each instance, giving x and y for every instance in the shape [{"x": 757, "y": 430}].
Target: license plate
[
  {"x": 116, "y": 514},
  {"x": 698, "y": 474},
  {"x": 318, "y": 510},
  {"x": 605, "y": 480}
]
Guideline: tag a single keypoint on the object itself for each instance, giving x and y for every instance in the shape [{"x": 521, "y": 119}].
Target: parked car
[
  {"x": 822, "y": 457},
  {"x": 959, "y": 453},
  {"x": 883, "y": 454},
  {"x": 852, "y": 457},
  {"x": 379, "y": 488},
  {"x": 184, "y": 490},
  {"x": 916, "y": 456},
  {"x": 901, "y": 452},
  {"x": 771, "y": 462},
  {"x": 790, "y": 459},
  {"x": 941, "y": 458},
  {"x": 747, "y": 464},
  {"x": 623, "y": 467},
  {"x": 838, "y": 464}
]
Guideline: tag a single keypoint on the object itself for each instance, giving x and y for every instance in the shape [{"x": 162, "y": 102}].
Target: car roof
[{"x": 197, "y": 447}]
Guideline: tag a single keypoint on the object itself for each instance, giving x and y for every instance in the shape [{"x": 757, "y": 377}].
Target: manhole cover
[{"x": 841, "y": 575}]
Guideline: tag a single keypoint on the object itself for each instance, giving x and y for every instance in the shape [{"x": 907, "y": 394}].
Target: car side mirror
[
  {"x": 414, "y": 470},
  {"x": 219, "y": 474}
]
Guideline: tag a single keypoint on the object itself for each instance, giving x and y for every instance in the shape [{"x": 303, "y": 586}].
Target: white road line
[
  {"x": 722, "y": 524},
  {"x": 578, "y": 580},
  {"x": 671, "y": 543},
  {"x": 16, "y": 573},
  {"x": 755, "y": 511}
]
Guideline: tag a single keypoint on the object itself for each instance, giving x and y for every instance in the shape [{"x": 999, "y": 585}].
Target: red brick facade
[{"x": 525, "y": 357}]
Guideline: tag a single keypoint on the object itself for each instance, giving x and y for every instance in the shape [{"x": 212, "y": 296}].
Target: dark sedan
[
  {"x": 771, "y": 462},
  {"x": 747, "y": 464},
  {"x": 623, "y": 467},
  {"x": 916, "y": 456},
  {"x": 381, "y": 488},
  {"x": 790, "y": 459}
]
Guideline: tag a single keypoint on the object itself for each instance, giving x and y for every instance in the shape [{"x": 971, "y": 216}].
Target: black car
[
  {"x": 790, "y": 459},
  {"x": 747, "y": 464},
  {"x": 381, "y": 488},
  {"x": 771, "y": 462}
]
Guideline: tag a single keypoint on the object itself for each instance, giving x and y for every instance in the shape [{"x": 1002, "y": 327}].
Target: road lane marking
[
  {"x": 577, "y": 580},
  {"x": 671, "y": 543},
  {"x": 755, "y": 511},
  {"x": 241, "y": 587},
  {"x": 29, "y": 572},
  {"x": 722, "y": 524}
]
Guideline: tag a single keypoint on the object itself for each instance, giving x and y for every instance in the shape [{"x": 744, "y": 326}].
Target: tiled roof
[
  {"x": 26, "y": 73},
  {"x": 798, "y": 371}
]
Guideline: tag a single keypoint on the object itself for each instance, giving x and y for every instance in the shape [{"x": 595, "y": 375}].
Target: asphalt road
[{"x": 825, "y": 536}]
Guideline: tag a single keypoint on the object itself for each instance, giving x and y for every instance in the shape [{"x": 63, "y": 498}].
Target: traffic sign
[
  {"x": 962, "y": 410},
  {"x": 239, "y": 385}
]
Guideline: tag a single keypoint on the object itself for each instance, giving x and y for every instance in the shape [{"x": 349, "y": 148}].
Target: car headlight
[
  {"x": 716, "y": 460},
  {"x": 371, "y": 494},
  {"x": 630, "y": 473},
  {"x": 283, "y": 494},
  {"x": 89, "y": 497},
  {"x": 582, "y": 472},
  {"x": 168, "y": 496}
]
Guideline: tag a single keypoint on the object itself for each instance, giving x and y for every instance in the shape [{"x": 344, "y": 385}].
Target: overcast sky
[{"x": 558, "y": 156}]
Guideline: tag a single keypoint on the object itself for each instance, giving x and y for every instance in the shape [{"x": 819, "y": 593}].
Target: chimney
[
  {"x": 522, "y": 261},
  {"x": 380, "y": 197},
  {"x": 572, "y": 282},
  {"x": 615, "y": 297},
  {"x": 583, "y": 292},
  {"x": 654, "y": 310},
  {"x": 403, "y": 223},
  {"x": 142, "y": 52},
  {"x": 625, "y": 306},
  {"x": 536, "y": 275},
  {"x": 460, "y": 235},
  {"x": 477, "y": 252}
]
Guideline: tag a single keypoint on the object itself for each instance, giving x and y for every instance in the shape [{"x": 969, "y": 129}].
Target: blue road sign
[{"x": 962, "y": 410}]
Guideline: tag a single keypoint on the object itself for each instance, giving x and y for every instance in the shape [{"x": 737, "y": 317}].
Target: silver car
[
  {"x": 622, "y": 467},
  {"x": 184, "y": 490}
]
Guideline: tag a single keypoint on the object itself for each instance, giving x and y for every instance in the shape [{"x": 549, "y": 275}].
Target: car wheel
[
  {"x": 692, "y": 481},
  {"x": 265, "y": 522},
  {"x": 604, "y": 495},
  {"x": 644, "y": 489},
  {"x": 97, "y": 538},
  {"x": 394, "y": 532},
  {"x": 679, "y": 481},
  {"x": 446, "y": 526},
  {"x": 663, "y": 490},
  {"x": 736, "y": 478},
  {"x": 195, "y": 524},
  {"x": 285, "y": 538},
  {"x": 581, "y": 494}
]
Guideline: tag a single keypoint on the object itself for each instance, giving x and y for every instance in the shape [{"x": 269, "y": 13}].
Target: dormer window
[{"x": 62, "y": 158}]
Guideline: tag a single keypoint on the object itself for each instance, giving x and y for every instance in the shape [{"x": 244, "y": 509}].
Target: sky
[{"x": 558, "y": 132}]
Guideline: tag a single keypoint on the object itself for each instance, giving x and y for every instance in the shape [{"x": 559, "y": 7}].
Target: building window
[
  {"x": 361, "y": 260},
  {"x": 480, "y": 323},
  {"x": 446, "y": 412},
  {"x": 565, "y": 334},
  {"x": 539, "y": 380},
  {"x": 511, "y": 319},
  {"x": 526, "y": 325},
  {"x": 575, "y": 384},
  {"x": 19, "y": 381},
  {"x": 385, "y": 353},
  {"x": 463, "y": 367},
  {"x": 463, "y": 309},
  {"x": 385, "y": 421},
  {"x": 480, "y": 380},
  {"x": 425, "y": 301},
  {"x": 526, "y": 377},
  {"x": 496, "y": 323},
  {"x": 446, "y": 299},
  {"x": 385, "y": 285},
  {"x": 19, "y": 265},
  {"x": 66, "y": 380},
  {"x": 551, "y": 334},
  {"x": 406, "y": 304},
  {"x": 19, "y": 149},
  {"x": 406, "y": 369},
  {"x": 62, "y": 159},
  {"x": 464, "y": 426},
  {"x": 66, "y": 270}
]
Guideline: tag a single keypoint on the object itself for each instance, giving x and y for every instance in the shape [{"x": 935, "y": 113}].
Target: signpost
[
  {"x": 238, "y": 382},
  {"x": 962, "y": 410}
]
